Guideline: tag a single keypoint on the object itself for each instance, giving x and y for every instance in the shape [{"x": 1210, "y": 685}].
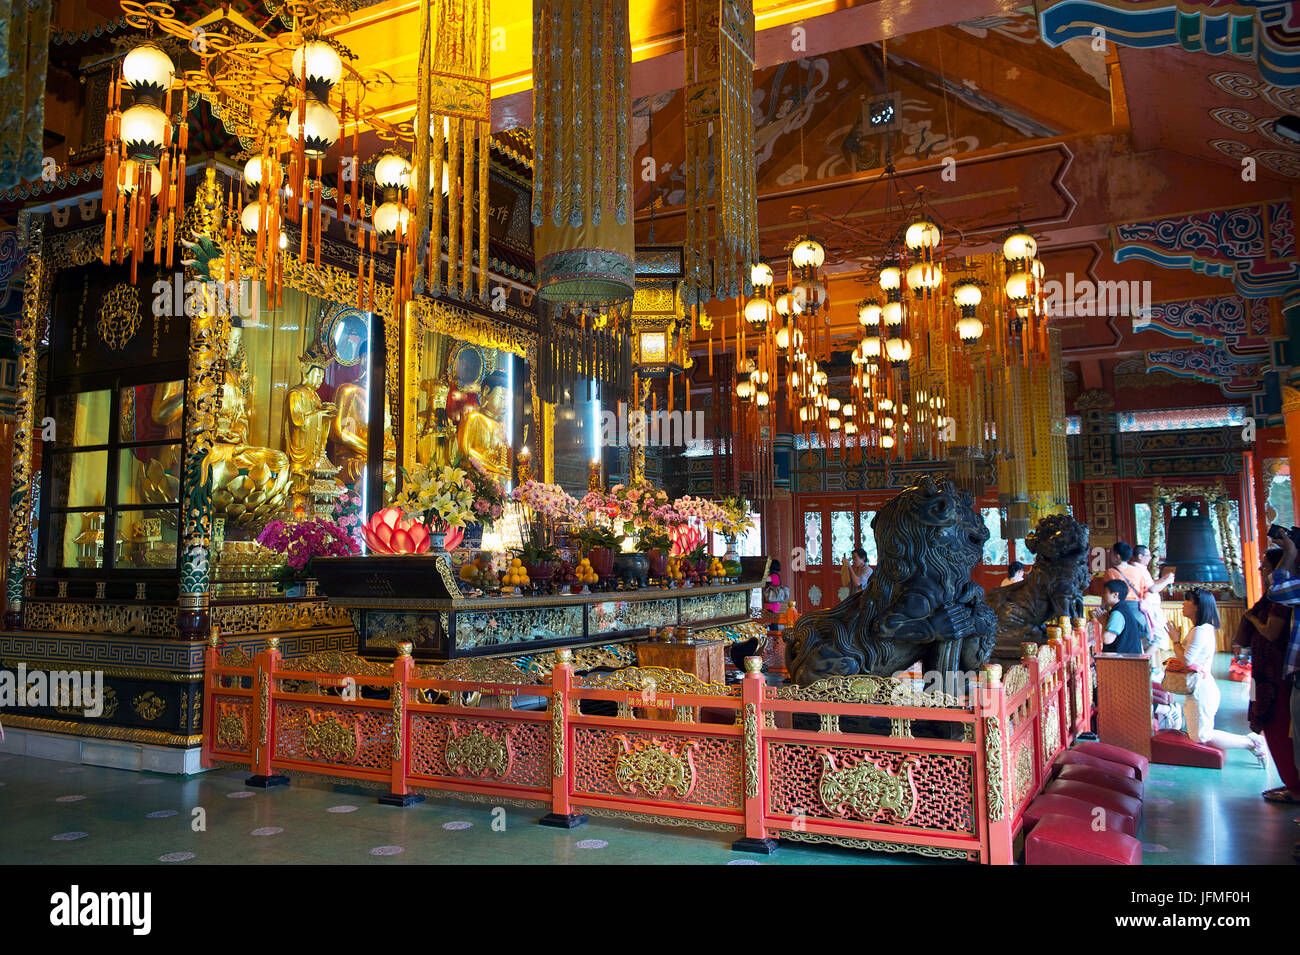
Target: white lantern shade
[
  {"x": 745, "y": 390},
  {"x": 761, "y": 399},
  {"x": 833, "y": 424},
  {"x": 323, "y": 62},
  {"x": 1019, "y": 286},
  {"x": 869, "y": 313},
  {"x": 392, "y": 172},
  {"x": 388, "y": 217},
  {"x": 924, "y": 276},
  {"x": 891, "y": 277},
  {"x": 922, "y": 234},
  {"x": 870, "y": 346},
  {"x": 809, "y": 295},
  {"x": 321, "y": 125},
  {"x": 886, "y": 422},
  {"x": 808, "y": 254},
  {"x": 970, "y": 329},
  {"x": 833, "y": 404},
  {"x": 892, "y": 313},
  {"x": 1036, "y": 269},
  {"x": 759, "y": 311},
  {"x": 898, "y": 349},
  {"x": 250, "y": 219},
  {"x": 850, "y": 427},
  {"x": 144, "y": 131},
  {"x": 794, "y": 379},
  {"x": 761, "y": 275},
  {"x": 786, "y": 336},
  {"x": 253, "y": 170},
  {"x": 820, "y": 379},
  {"x": 1018, "y": 246},
  {"x": 886, "y": 441},
  {"x": 786, "y": 305},
  {"x": 967, "y": 294},
  {"x": 147, "y": 66}
]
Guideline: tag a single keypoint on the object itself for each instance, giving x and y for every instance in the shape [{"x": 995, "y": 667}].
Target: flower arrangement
[
  {"x": 735, "y": 515},
  {"x": 546, "y": 500},
  {"x": 598, "y": 535},
  {"x": 347, "y": 514},
  {"x": 444, "y": 496},
  {"x": 302, "y": 541},
  {"x": 489, "y": 495},
  {"x": 688, "y": 541}
]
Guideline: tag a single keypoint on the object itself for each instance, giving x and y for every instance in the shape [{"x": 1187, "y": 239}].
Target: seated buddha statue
[
  {"x": 480, "y": 435},
  {"x": 306, "y": 420},
  {"x": 350, "y": 431},
  {"x": 249, "y": 483}
]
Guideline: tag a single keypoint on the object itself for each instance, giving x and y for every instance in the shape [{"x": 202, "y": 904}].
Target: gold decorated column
[{"x": 20, "y": 494}]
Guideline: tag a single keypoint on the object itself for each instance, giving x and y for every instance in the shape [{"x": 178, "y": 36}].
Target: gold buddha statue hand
[
  {"x": 306, "y": 421},
  {"x": 350, "y": 430},
  {"x": 249, "y": 483},
  {"x": 481, "y": 435}
]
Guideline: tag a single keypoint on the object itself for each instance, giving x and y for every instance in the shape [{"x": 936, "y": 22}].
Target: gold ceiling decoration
[{"x": 722, "y": 213}]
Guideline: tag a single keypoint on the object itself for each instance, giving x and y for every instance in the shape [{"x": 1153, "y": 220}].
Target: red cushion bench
[
  {"x": 1063, "y": 840},
  {"x": 1116, "y": 754},
  {"x": 1178, "y": 749},
  {"x": 1100, "y": 777},
  {"x": 1098, "y": 796},
  {"x": 1073, "y": 757},
  {"x": 1053, "y": 804}
]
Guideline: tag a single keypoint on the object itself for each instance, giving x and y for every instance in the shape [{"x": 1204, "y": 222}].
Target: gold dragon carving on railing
[
  {"x": 654, "y": 768},
  {"x": 475, "y": 753},
  {"x": 867, "y": 788},
  {"x": 658, "y": 680}
]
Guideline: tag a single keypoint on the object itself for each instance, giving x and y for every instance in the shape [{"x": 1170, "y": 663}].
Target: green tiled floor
[{"x": 1193, "y": 816}]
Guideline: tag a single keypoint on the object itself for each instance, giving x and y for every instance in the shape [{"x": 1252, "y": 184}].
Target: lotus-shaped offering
[{"x": 388, "y": 532}]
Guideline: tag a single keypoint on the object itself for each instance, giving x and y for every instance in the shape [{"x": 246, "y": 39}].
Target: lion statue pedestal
[{"x": 919, "y": 605}]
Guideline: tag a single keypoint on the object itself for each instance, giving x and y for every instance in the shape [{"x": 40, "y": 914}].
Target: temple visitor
[
  {"x": 855, "y": 571},
  {"x": 1263, "y": 631},
  {"x": 1197, "y": 664},
  {"x": 1157, "y": 624},
  {"x": 1284, "y": 588},
  {"x": 1015, "y": 574},
  {"x": 1126, "y": 628}
]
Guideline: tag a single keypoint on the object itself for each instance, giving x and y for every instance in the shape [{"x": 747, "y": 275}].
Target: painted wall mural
[
  {"x": 1267, "y": 31},
  {"x": 1252, "y": 245},
  {"x": 1240, "y": 325}
]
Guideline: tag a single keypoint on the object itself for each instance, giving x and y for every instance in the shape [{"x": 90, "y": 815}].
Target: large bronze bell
[{"x": 1191, "y": 547}]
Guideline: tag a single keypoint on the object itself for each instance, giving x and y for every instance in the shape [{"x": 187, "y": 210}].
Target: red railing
[{"x": 867, "y": 762}]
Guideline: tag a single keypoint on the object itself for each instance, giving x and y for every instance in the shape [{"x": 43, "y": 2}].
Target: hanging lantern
[
  {"x": 148, "y": 71},
  {"x": 893, "y": 314},
  {"x": 891, "y": 276},
  {"x": 809, "y": 295},
  {"x": 760, "y": 276},
  {"x": 786, "y": 336},
  {"x": 886, "y": 441},
  {"x": 924, "y": 276},
  {"x": 1019, "y": 246},
  {"x": 833, "y": 405},
  {"x": 923, "y": 234},
  {"x": 758, "y": 312},
  {"x": 786, "y": 305},
  {"x": 1019, "y": 286},
  {"x": 833, "y": 423},
  {"x": 320, "y": 127},
  {"x": 745, "y": 390},
  {"x": 870, "y": 347},
  {"x": 149, "y": 172},
  {"x": 321, "y": 65},
  {"x": 869, "y": 313},
  {"x": 970, "y": 329},
  {"x": 807, "y": 253},
  {"x": 389, "y": 217},
  {"x": 144, "y": 132},
  {"x": 761, "y": 399},
  {"x": 392, "y": 171}
]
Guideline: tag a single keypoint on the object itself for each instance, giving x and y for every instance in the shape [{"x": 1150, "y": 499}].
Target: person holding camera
[{"x": 855, "y": 572}]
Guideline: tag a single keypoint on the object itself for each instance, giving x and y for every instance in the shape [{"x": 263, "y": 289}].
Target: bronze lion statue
[
  {"x": 1053, "y": 587},
  {"x": 920, "y": 604}
]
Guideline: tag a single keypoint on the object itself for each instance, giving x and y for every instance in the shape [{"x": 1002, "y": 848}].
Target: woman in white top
[{"x": 1201, "y": 705}]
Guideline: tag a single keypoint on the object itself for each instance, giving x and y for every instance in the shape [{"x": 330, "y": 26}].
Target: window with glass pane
[
  {"x": 841, "y": 535},
  {"x": 867, "y": 536},
  {"x": 995, "y": 548},
  {"x": 1142, "y": 524},
  {"x": 1023, "y": 553},
  {"x": 1279, "y": 500},
  {"x": 812, "y": 537},
  {"x": 113, "y": 479}
]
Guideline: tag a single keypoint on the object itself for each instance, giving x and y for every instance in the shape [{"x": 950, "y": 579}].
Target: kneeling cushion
[
  {"x": 1178, "y": 749},
  {"x": 1099, "y": 777},
  {"x": 1063, "y": 840},
  {"x": 1074, "y": 758},
  {"x": 1099, "y": 796},
  {"x": 1116, "y": 754},
  {"x": 1080, "y": 809}
]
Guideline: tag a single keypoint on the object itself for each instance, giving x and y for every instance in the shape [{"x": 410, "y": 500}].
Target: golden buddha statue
[
  {"x": 350, "y": 431},
  {"x": 249, "y": 483},
  {"x": 481, "y": 435},
  {"x": 306, "y": 421}
]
